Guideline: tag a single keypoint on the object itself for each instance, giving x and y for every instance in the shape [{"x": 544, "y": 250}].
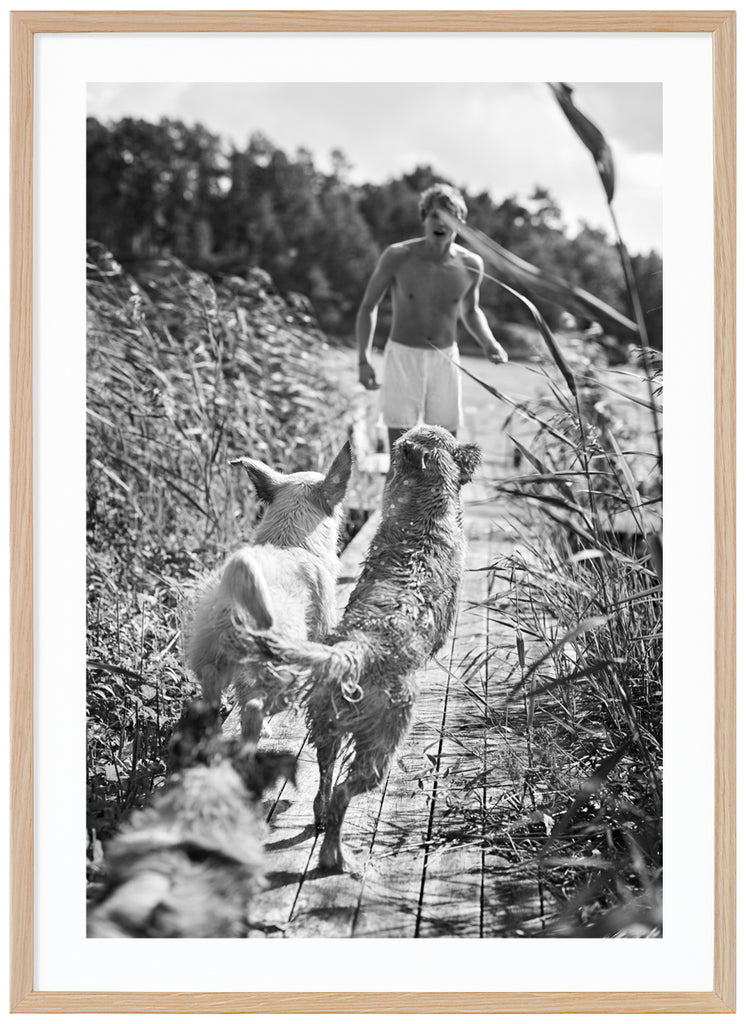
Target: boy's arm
[
  {"x": 475, "y": 320},
  {"x": 365, "y": 321}
]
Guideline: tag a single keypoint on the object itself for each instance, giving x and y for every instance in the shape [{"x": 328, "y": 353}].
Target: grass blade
[{"x": 590, "y": 135}]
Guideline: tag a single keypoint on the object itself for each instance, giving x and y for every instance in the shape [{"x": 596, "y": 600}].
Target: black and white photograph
[{"x": 374, "y": 476}]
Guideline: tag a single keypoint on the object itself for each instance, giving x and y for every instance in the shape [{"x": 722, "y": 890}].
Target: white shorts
[{"x": 421, "y": 385}]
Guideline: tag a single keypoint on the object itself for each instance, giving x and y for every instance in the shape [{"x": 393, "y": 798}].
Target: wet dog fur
[
  {"x": 362, "y": 681},
  {"x": 285, "y": 579},
  {"x": 190, "y": 863}
]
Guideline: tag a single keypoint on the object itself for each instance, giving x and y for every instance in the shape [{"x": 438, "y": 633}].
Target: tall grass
[
  {"x": 585, "y": 603},
  {"x": 582, "y": 597},
  {"x": 573, "y": 712},
  {"x": 182, "y": 377}
]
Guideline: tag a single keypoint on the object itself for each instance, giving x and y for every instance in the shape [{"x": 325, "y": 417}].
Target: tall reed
[
  {"x": 583, "y": 598},
  {"x": 579, "y": 700},
  {"x": 594, "y": 140}
]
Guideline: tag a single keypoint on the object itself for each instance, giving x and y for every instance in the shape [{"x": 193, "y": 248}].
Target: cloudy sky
[{"x": 505, "y": 138}]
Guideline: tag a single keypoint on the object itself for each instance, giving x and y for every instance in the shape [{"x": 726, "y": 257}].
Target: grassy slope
[{"x": 181, "y": 378}]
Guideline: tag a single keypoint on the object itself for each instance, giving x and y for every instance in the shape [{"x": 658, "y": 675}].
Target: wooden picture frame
[{"x": 24, "y": 27}]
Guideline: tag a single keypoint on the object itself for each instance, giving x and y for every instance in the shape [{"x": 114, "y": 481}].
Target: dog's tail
[
  {"x": 339, "y": 666},
  {"x": 243, "y": 588}
]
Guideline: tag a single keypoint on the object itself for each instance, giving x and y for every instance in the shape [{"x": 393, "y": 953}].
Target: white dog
[{"x": 285, "y": 579}]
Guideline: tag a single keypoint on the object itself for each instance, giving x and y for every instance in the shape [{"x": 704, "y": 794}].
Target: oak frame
[{"x": 721, "y": 25}]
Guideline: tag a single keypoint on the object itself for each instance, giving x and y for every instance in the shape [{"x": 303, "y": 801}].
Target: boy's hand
[
  {"x": 497, "y": 354},
  {"x": 367, "y": 376}
]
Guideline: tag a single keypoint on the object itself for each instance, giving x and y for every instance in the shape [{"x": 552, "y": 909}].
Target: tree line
[{"x": 167, "y": 188}]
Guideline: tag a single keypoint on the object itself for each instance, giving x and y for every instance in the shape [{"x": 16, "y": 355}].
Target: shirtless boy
[{"x": 434, "y": 281}]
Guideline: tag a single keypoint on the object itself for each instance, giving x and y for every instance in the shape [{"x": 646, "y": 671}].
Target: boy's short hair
[{"x": 444, "y": 195}]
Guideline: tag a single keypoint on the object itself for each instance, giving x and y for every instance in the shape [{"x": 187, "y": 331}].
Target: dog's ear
[
  {"x": 468, "y": 457},
  {"x": 259, "y": 769},
  {"x": 266, "y": 481},
  {"x": 334, "y": 485}
]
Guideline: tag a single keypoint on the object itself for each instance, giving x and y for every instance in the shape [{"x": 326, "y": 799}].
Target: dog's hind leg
[
  {"x": 366, "y": 772},
  {"x": 211, "y": 682},
  {"x": 326, "y": 755}
]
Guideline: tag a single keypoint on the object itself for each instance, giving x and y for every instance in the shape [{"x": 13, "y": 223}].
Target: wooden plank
[
  {"x": 327, "y": 904},
  {"x": 452, "y": 886},
  {"x": 391, "y": 901},
  {"x": 390, "y": 897},
  {"x": 470, "y": 890}
]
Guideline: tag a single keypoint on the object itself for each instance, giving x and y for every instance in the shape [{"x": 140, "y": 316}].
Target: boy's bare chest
[{"x": 439, "y": 284}]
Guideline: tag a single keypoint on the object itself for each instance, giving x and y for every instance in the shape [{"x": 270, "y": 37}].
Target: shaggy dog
[
  {"x": 285, "y": 579},
  {"x": 362, "y": 682},
  {"x": 189, "y": 864}
]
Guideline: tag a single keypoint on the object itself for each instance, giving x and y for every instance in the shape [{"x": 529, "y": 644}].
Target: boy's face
[{"x": 435, "y": 226}]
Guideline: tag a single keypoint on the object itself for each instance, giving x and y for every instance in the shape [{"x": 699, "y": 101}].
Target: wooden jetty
[{"x": 417, "y": 874}]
